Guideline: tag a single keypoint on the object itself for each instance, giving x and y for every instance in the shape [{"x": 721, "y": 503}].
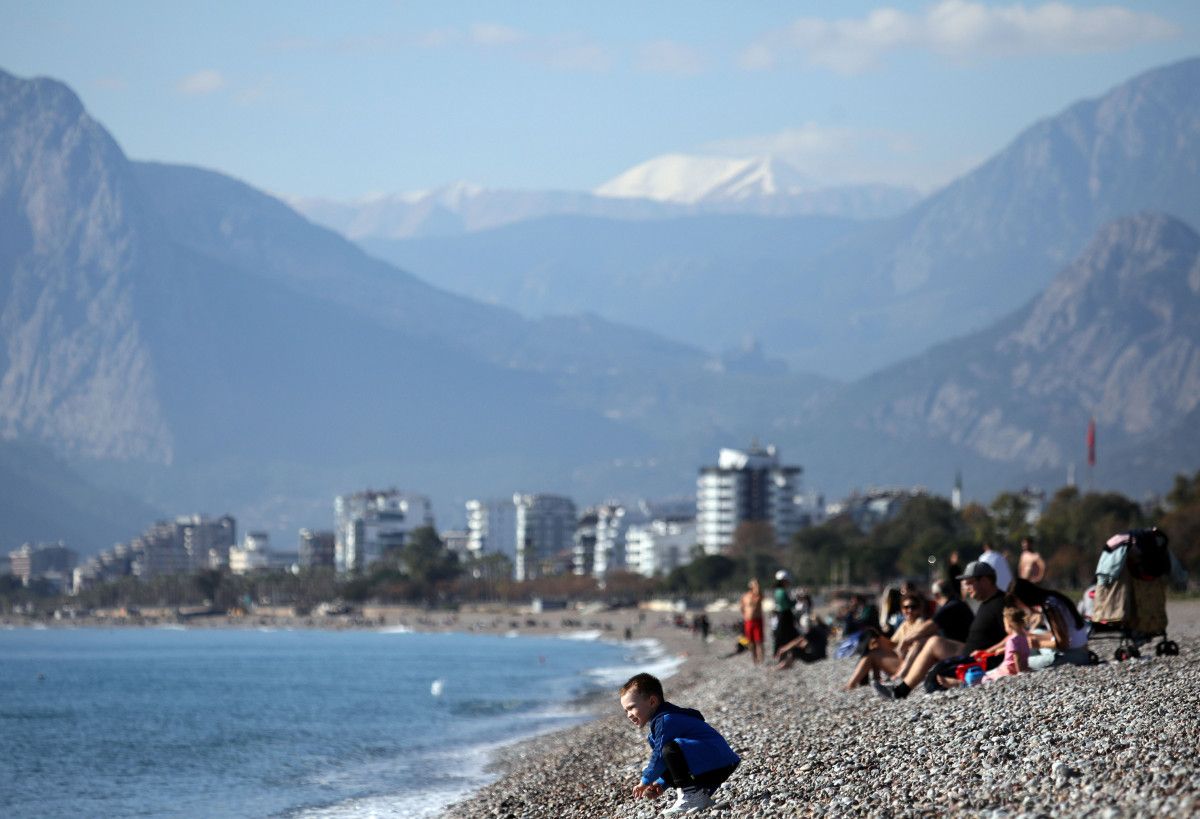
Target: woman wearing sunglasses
[{"x": 879, "y": 653}]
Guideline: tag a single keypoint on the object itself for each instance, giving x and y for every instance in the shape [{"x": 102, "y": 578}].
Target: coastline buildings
[
  {"x": 660, "y": 545},
  {"x": 492, "y": 528},
  {"x": 530, "y": 529},
  {"x": 746, "y": 485},
  {"x": 253, "y": 555},
  {"x": 545, "y": 526},
  {"x": 875, "y": 505},
  {"x": 369, "y": 523},
  {"x": 317, "y": 550},
  {"x": 50, "y": 562}
]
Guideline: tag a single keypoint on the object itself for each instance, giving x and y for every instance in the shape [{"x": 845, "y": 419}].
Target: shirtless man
[
  {"x": 1031, "y": 566},
  {"x": 752, "y": 618}
]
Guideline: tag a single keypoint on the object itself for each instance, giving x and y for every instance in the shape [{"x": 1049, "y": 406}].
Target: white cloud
[
  {"x": 495, "y": 34},
  {"x": 562, "y": 52},
  {"x": 959, "y": 29},
  {"x": 669, "y": 57},
  {"x": 201, "y": 82},
  {"x": 833, "y": 156}
]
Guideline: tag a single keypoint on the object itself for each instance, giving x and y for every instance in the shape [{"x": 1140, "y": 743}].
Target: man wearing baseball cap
[{"x": 939, "y": 653}]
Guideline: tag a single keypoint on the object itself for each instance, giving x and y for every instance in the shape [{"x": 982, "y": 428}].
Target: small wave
[
  {"x": 647, "y": 655},
  {"x": 171, "y": 627},
  {"x": 415, "y": 804},
  {"x": 394, "y": 630},
  {"x": 589, "y": 636}
]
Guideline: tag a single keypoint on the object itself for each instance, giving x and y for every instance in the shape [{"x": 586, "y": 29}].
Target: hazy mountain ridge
[
  {"x": 1115, "y": 336},
  {"x": 992, "y": 239},
  {"x": 75, "y": 368},
  {"x": 845, "y": 303},
  {"x": 182, "y": 322},
  {"x": 190, "y": 339},
  {"x": 662, "y": 188}
]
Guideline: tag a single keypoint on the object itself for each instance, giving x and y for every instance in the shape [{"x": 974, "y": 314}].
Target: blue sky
[{"x": 316, "y": 99}]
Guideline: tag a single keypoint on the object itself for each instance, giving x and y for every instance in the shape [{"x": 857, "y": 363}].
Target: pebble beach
[{"x": 1112, "y": 740}]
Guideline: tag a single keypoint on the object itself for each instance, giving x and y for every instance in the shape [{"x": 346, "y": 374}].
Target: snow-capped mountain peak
[{"x": 691, "y": 179}]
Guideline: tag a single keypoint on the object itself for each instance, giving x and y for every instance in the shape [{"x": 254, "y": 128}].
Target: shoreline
[
  {"x": 1113, "y": 740},
  {"x": 655, "y": 642}
]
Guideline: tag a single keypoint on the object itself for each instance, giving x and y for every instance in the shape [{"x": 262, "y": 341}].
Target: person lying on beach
[
  {"x": 685, "y": 751},
  {"x": 881, "y": 652}
]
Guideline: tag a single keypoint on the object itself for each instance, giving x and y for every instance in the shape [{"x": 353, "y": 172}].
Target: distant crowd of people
[{"x": 935, "y": 639}]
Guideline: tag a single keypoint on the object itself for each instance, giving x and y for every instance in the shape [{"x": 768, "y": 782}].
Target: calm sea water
[{"x": 199, "y": 722}]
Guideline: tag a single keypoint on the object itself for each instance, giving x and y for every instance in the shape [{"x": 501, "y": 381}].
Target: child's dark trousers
[{"x": 679, "y": 776}]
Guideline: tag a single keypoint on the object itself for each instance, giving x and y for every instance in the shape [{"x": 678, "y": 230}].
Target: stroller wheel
[
  {"x": 1124, "y": 653},
  {"x": 1093, "y": 658},
  {"x": 1168, "y": 648}
]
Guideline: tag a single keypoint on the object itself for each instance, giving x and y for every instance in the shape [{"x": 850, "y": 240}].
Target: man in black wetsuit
[{"x": 987, "y": 629}]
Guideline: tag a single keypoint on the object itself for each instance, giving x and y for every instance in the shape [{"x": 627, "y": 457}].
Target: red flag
[{"x": 1091, "y": 442}]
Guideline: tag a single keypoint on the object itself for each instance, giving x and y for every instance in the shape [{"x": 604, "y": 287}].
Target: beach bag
[
  {"x": 1149, "y": 558},
  {"x": 848, "y": 647},
  {"x": 1112, "y": 603}
]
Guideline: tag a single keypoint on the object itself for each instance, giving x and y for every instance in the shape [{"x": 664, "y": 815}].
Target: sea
[{"x": 204, "y": 722}]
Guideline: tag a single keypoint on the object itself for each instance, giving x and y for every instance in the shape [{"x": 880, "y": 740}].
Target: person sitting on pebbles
[
  {"x": 940, "y": 654},
  {"x": 881, "y": 652},
  {"x": 685, "y": 751},
  {"x": 1067, "y": 638}
]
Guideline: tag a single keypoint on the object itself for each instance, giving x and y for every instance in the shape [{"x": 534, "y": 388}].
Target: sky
[{"x": 350, "y": 100}]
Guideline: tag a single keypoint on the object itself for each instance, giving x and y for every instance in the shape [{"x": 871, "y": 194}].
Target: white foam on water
[
  {"x": 647, "y": 656},
  {"x": 422, "y": 803},
  {"x": 394, "y": 630},
  {"x": 589, "y": 636}
]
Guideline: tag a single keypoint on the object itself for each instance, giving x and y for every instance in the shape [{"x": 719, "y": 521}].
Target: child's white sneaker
[{"x": 690, "y": 800}]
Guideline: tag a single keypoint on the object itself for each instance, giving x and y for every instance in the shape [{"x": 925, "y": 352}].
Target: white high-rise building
[
  {"x": 370, "y": 523},
  {"x": 659, "y": 546},
  {"x": 492, "y": 528},
  {"x": 529, "y": 529},
  {"x": 545, "y": 526},
  {"x": 750, "y": 485}
]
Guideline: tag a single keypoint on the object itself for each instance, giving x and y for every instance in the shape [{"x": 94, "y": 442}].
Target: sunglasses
[{"x": 908, "y": 608}]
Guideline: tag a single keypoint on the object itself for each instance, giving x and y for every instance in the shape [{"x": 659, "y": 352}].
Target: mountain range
[
  {"x": 665, "y": 187},
  {"x": 848, "y": 297},
  {"x": 176, "y": 340}
]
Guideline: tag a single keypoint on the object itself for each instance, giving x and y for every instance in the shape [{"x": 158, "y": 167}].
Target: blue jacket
[{"x": 703, "y": 748}]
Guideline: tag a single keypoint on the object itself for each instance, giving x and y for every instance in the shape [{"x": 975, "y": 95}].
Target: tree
[
  {"x": 426, "y": 560},
  {"x": 1010, "y": 516},
  {"x": 1181, "y": 521},
  {"x": 820, "y": 554},
  {"x": 1074, "y": 527},
  {"x": 924, "y": 526},
  {"x": 705, "y": 573}
]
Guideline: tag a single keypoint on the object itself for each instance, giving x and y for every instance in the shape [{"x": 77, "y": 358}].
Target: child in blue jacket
[{"x": 686, "y": 752}]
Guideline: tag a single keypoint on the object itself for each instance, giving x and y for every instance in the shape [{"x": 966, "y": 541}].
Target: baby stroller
[{"x": 1131, "y": 592}]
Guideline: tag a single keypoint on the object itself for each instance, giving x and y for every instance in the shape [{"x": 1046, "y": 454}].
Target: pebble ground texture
[{"x": 1114, "y": 740}]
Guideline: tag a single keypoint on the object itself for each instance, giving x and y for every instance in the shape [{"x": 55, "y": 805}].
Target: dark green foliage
[{"x": 707, "y": 573}]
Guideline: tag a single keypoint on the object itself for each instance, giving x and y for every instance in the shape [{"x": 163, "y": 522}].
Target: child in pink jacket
[{"x": 1016, "y": 646}]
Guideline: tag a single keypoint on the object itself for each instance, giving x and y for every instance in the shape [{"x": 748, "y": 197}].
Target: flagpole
[{"x": 1091, "y": 451}]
